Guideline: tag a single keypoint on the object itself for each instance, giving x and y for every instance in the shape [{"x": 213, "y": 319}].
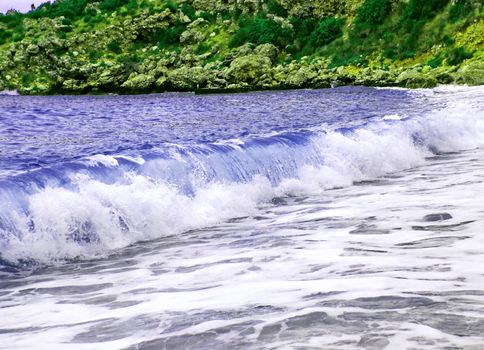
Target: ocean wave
[{"x": 90, "y": 207}]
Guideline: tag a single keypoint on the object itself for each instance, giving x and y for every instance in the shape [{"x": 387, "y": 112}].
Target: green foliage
[
  {"x": 65, "y": 29},
  {"x": 457, "y": 55},
  {"x": 328, "y": 30},
  {"x": 390, "y": 52},
  {"x": 373, "y": 12},
  {"x": 202, "y": 48},
  {"x": 171, "y": 5},
  {"x": 349, "y": 56},
  {"x": 189, "y": 11},
  {"x": 460, "y": 9},
  {"x": 274, "y": 7},
  {"x": 114, "y": 47},
  {"x": 5, "y": 35},
  {"x": 423, "y": 31},
  {"x": 71, "y": 9},
  {"x": 435, "y": 62},
  {"x": 14, "y": 27},
  {"x": 93, "y": 20},
  {"x": 424, "y": 10},
  {"x": 130, "y": 62},
  {"x": 303, "y": 27},
  {"x": 66, "y": 22},
  {"x": 261, "y": 30},
  {"x": 94, "y": 55},
  {"x": 13, "y": 22},
  {"x": 27, "y": 78},
  {"x": 111, "y": 5},
  {"x": 447, "y": 40},
  {"x": 208, "y": 16},
  {"x": 167, "y": 36}
]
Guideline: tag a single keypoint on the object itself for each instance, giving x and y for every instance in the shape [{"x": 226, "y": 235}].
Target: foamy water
[{"x": 356, "y": 233}]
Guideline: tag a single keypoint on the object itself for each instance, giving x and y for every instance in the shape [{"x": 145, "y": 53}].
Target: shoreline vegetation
[{"x": 149, "y": 46}]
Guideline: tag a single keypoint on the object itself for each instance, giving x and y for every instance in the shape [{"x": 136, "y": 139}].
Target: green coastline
[{"x": 146, "y": 46}]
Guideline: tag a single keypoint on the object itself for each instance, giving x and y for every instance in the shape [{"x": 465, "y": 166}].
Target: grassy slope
[{"x": 130, "y": 46}]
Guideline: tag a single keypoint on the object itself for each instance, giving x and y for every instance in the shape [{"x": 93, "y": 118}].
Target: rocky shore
[{"x": 189, "y": 46}]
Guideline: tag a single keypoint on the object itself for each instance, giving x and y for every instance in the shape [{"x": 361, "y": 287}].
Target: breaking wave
[{"x": 90, "y": 207}]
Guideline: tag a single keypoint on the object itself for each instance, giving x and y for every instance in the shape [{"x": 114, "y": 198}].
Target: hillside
[{"x": 141, "y": 46}]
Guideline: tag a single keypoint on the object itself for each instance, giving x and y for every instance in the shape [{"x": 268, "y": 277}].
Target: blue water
[
  {"x": 59, "y": 150},
  {"x": 46, "y": 131},
  {"x": 347, "y": 218}
]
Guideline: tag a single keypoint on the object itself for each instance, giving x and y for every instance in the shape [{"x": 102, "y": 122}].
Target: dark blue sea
[{"x": 346, "y": 218}]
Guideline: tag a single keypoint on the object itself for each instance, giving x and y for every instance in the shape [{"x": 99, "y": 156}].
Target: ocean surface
[{"x": 347, "y": 218}]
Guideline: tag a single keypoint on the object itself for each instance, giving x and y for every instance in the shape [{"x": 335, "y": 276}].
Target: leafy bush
[
  {"x": 27, "y": 78},
  {"x": 167, "y": 36},
  {"x": 276, "y": 8},
  {"x": 111, "y": 5},
  {"x": 189, "y": 11},
  {"x": 70, "y": 9},
  {"x": 328, "y": 30},
  {"x": 303, "y": 27},
  {"x": 65, "y": 29},
  {"x": 348, "y": 57},
  {"x": 457, "y": 55},
  {"x": 373, "y": 12},
  {"x": 208, "y": 16},
  {"x": 94, "y": 55},
  {"x": 261, "y": 30},
  {"x": 434, "y": 62},
  {"x": 114, "y": 47},
  {"x": 15, "y": 27},
  {"x": 12, "y": 20},
  {"x": 4, "y": 36},
  {"x": 424, "y": 10},
  {"x": 202, "y": 48},
  {"x": 171, "y": 5},
  {"x": 460, "y": 9},
  {"x": 390, "y": 52}
]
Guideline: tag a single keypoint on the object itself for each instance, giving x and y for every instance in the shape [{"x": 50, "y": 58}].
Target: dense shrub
[
  {"x": 276, "y": 8},
  {"x": 114, "y": 47},
  {"x": 261, "y": 30},
  {"x": 435, "y": 61},
  {"x": 209, "y": 16},
  {"x": 12, "y": 20},
  {"x": 328, "y": 30},
  {"x": 373, "y": 12},
  {"x": 94, "y": 55},
  {"x": 14, "y": 27},
  {"x": 189, "y": 11},
  {"x": 70, "y": 9},
  {"x": 461, "y": 9},
  {"x": 303, "y": 27},
  {"x": 457, "y": 55},
  {"x": 111, "y": 5},
  {"x": 167, "y": 36},
  {"x": 424, "y": 10},
  {"x": 27, "y": 78},
  {"x": 171, "y": 5}
]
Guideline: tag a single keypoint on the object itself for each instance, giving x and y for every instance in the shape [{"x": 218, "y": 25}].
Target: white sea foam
[
  {"x": 101, "y": 159},
  {"x": 92, "y": 218},
  {"x": 296, "y": 275},
  {"x": 392, "y": 117},
  {"x": 355, "y": 267}
]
